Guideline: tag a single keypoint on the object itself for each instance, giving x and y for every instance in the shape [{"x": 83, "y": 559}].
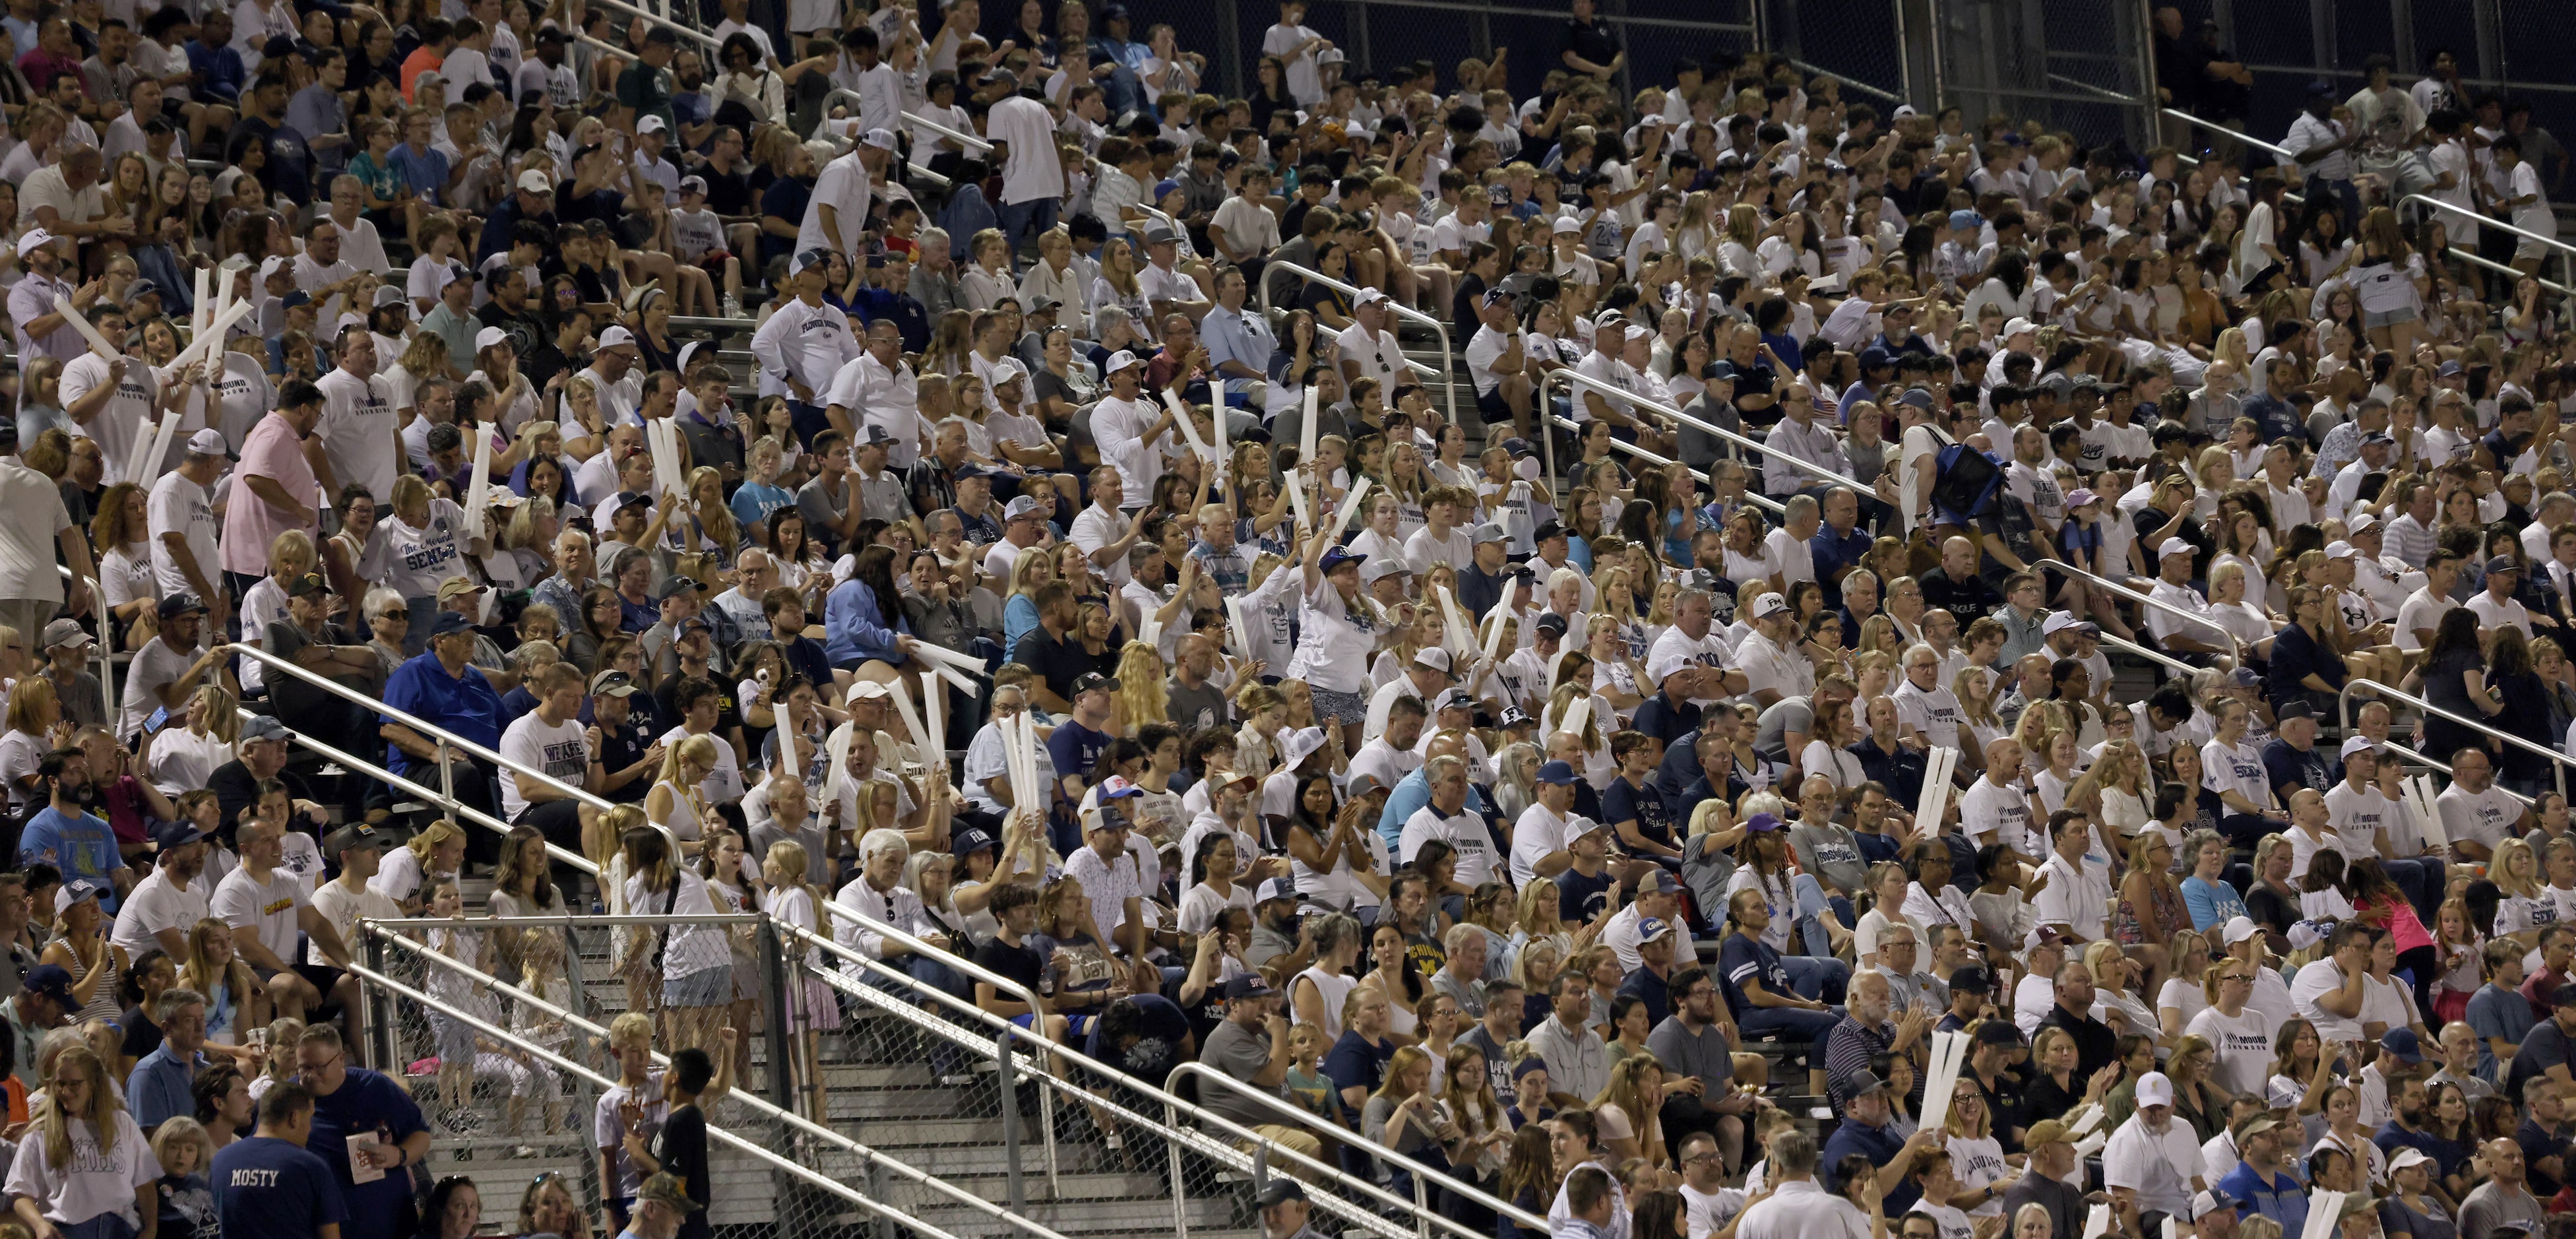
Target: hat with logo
[
  {"x": 2057, "y": 622},
  {"x": 171, "y": 836},
  {"x": 665, "y": 1188},
  {"x": 1557, "y": 773},
  {"x": 66, "y": 633},
  {"x": 1247, "y": 985},
  {"x": 2154, "y": 1089},
  {"x": 1091, "y": 681},
  {"x": 612, "y": 684},
  {"x": 1274, "y": 889},
  {"x": 2209, "y": 1202},
  {"x": 1383, "y": 567},
  {"x": 1972, "y": 980},
  {"x": 459, "y": 586},
  {"x": 450, "y": 622},
  {"x": 177, "y": 605},
  {"x": 52, "y": 981},
  {"x": 354, "y": 835},
  {"x": 263, "y": 727},
  {"x": 72, "y": 892}
]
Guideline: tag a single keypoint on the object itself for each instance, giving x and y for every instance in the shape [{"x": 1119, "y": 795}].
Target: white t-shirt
[
  {"x": 96, "y": 1183},
  {"x": 562, "y": 751},
  {"x": 1993, "y": 813},
  {"x": 357, "y": 432},
  {"x": 156, "y": 905},
  {"x": 417, "y": 559},
  {"x": 182, "y": 507},
  {"x": 1676, "y": 651},
  {"x": 2244, "y": 1047},
  {"x": 2478, "y": 817},
  {"x": 2238, "y": 769},
  {"x": 2159, "y": 1167},
  {"x": 724, "y": 785},
  {"x": 1538, "y": 833},
  {"x": 268, "y": 909},
  {"x": 2314, "y": 981},
  {"x": 1464, "y": 832}
]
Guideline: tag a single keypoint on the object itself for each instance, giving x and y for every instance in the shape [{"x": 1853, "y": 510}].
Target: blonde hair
[
  {"x": 31, "y": 695},
  {"x": 1141, "y": 697},
  {"x": 699, "y": 749},
  {"x": 105, "y": 1100},
  {"x": 437, "y": 832},
  {"x": 183, "y": 1129},
  {"x": 629, "y": 1028}
]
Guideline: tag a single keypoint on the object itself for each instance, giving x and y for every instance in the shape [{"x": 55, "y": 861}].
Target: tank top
[
  {"x": 102, "y": 1003},
  {"x": 1333, "y": 989}
]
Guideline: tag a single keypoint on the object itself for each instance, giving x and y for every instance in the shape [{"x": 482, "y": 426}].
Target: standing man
[
  {"x": 360, "y": 441},
  {"x": 271, "y": 1184},
  {"x": 1032, "y": 172},
  {"x": 181, "y": 516},
  {"x": 361, "y": 1117},
  {"x": 161, "y": 1087},
  {"x": 282, "y": 467}
]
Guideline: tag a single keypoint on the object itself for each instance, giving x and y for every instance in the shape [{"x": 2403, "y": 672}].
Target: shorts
[
  {"x": 1493, "y": 406},
  {"x": 707, "y": 987},
  {"x": 1333, "y": 707},
  {"x": 455, "y": 1040},
  {"x": 2528, "y": 248},
  {"x": 713, "y": 263},
  {"x": 2389, "y": 318}
]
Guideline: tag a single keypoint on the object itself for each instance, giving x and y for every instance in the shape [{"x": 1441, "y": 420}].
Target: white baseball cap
[
  {"x": 650, "y": 124},
  {"x": 489, "y": 337},
  {"x": 616, "y": 336},
  {"x": 2154, "y": 1090},
  {"x": 1120, "y": 360},
  {"x": 536, "y": 182},
  {"x": 882, "y": 139}
]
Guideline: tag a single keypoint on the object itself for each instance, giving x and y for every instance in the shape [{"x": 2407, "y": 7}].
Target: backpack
[{"x": 1965, "y": 480}]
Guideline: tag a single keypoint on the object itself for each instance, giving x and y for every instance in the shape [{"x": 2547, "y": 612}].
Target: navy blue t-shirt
[
  {"x": 364, "y": 1102},
  {"x": 1166, "y": 1032},
  {"x": 1579, "y": 897},
  {"x": 1354, "y": 1063},
  {"x": 1741, "y": 959},
  {"x": 266, "y": 1188}
]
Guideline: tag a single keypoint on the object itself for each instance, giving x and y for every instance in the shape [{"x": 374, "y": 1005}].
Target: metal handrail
[
  {"x": 1576, "y": 379},
  {"x": 106, "y": 650},
  {"x": 444, "y": 736},
  {"x": 1002, "y": 1030},
  {"x": 955, "y": 963},
  {"x": 1756, "y": 498},
  {"x": 1468, "y": 1192},
  {"x": 721, "y": 1135},
  {"x": 1093, "y": 1067},
  {"x": 1448, "y": 358},
  {"x": 1846, "y": 81},
  {"x": 2566, "y": 250},
  {"x": 383, "y": 931},
  {"x": 976, "y": 144},
  {"x": 2131, "y": 647},
  {"x": 2435, "y": 763},
  {"x": 2558, "y": 761},
  {"x": 445, "y": 800},
  {"x": 659, "y": 20},
  {"x": 2056, "y": 565}
]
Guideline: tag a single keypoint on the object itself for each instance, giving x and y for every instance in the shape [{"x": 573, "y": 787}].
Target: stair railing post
[
  {"x": 1007, "y": 1080},
  {"x": 1180, "y": 1184},
  {"x": 446, "y": 784},
  {"x": 782, "y": 1057},
  {"x": 380, "y": 1024}
]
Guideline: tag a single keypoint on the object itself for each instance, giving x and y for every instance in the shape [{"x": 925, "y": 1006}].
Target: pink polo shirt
[{"x": 273, "y": 451}]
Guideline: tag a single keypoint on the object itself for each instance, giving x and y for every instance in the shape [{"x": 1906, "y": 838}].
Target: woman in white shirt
[
  {"x": 697, "y": 963},
  {"x": 1888, "y": 887},
  {"x": 122, "y": 528},
  {"x": 424, "y": 542},
  {"x": 678, "y": 803},
  {"x": 34, "y": 713},
  {"x": 178, "y": 759},
  {"x": 1829, "y": 753},
  {"x": 2228, "y": 605},
  {"x": 1212, "y": 885},
  {"x": 84, "y": 1158},
  {"x": 749, "y": 82},
  {"x": 1338, "y": 628}
]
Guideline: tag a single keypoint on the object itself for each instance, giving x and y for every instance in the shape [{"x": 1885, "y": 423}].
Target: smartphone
[{"x": 159, "y": 719}]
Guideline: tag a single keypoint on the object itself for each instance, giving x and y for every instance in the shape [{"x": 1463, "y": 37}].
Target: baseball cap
[
  {"x": 353, "y": 835},
  {"x": 208, "y": 442},
  {"x": 693, "y": 184},
  {"x": 2209, "y": 1202},
  {"x": 66, "y": 632},
  {"x": 1861, "y": 1084},
  {"x": 1120, "y": 360},
  {"x": 51, "y": 980},
  {"x": 2057, "y": 622},
  {"x": 535, "y": 182},
  {"x": 1381, "y": 568},
  {"x": 1567, "y": 224},
  {"x": 2403, "y": 1043},
  {"x": 1557, "y": 773},
  {"x": 2360, "y": 521},
  {"x": 177, "y": 605},
  {"x": 1453, "y": 699},
  {"x": 665, "y": 1187},
  {"x": 169, "y": 836},
  {"x": 1279, "y": 1191},
  {"x": 1023, "y": 506},
  {"x": 490, "y": 337},
  {"x": 2495, "y": 564},
  {"x": 306, "y": 586},
  {"x": 1432, "y": 656},
  {"x": 805, "y": 261},
  {"x": 1368, "y": 296},
  {"x": 1972, "y": 979},
  {"x": 72, "y": 892},
  {"x": 2340, "y": 549},
  {"x": 2238, "y": 929},
  {"x": 971, "y": 840},
  {"x": 650, "y": 124},
  {"x": 1335, "y": 558},
  {"x": 1093, "y": 680},
  {"x": 2406, "y": 1155},
  {"x": 2154, "y": 1089},
  {"x": 1652, "y": 929},
  {"x": 1247, "y": 985},
  {"x": 2045, "y": 1131},
  {"x": 2284, "y": 1093},
  {"x": 2357, "y": 744},
  {"x": 1273, "y": 889},
  {"x": 1297, "y": 745},
  {"x": 612, "y": 684},
  {"x": 616, "y": 337},
  {"x": 1659, "y": 882},
  {"x": 1487, "y": 532},
  {"x": 2080, "y": 496},
  {"x": 2019, "y": 326},
  {"x": 882, "y": 139},
  {"x": 263, "y": 727},
  {"x": 1162, "y": 234},
  {"x": 449, "y": 622},
  {"x": 2175, "y": 546},
  {"x": 458, "y": 586},
  {"x": 1964, "y": 218},
  {"x": 1769, "y": 605},
  {"x": 1552, "y": 624},
  {"x": 1762, "y": 823}
]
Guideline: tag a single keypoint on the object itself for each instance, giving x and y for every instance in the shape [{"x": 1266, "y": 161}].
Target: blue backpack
[{"x": 1965, "y": 480}]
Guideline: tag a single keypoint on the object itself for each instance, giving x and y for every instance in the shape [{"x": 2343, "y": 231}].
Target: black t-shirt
[
  {"x": 682, "y": 1150},
  {"x": 142, "y": 1036},
  {"x": 1056, "y": 661},
  {"x": 728, "y": 711},
  {"x": 620, "y": 747},
  {"x": 1018, "y": 963},
  {"x": 735, "y": 194},
  {"x": 1591, "y": 40}
]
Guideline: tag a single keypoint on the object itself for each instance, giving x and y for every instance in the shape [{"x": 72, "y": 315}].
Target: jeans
[
  {"x": 1032, "y": 218},
  {"x": 1794, "y": 1024},
  {"x": 1819, "y": 977},
  {"x": 1814, "y": 904}
]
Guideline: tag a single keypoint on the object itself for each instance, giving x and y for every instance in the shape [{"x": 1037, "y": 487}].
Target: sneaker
[
  {"x": 732, "y": 306},
  {"x": 464, "y": 1122}
]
